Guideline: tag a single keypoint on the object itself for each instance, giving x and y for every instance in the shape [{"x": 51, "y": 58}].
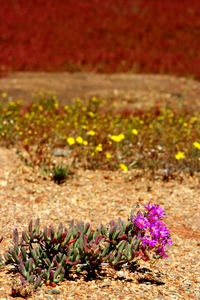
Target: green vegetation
[
  {"x": 60, "y": 173},
  {"x": 47, "y": 256}
]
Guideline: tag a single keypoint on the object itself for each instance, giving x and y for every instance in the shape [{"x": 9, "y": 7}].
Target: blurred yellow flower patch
[
  {"x": 71, "y": 141},
  {"x": 196, "y": 145},
  {"x": 108, "y": 155},
  {"x": 180, "y": 155},
  {"x": 91, "y": 132},
  {"x": 124, "y": 167},
  {"x": 79, "y": 140},
  {"x": 117, "y": 138},
  {"x": 99, "y": 148},
  {"x": 135, "y": 131}
]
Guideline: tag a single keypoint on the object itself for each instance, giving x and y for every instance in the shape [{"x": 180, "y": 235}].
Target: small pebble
[{"x": 52, "y": 292}]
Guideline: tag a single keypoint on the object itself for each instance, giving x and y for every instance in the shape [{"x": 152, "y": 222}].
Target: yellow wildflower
[
  {"x": 196, "y": 145},
  {"x": 56, "y": 104},
  {"x": 91, "y": 114},
  {"x": 193, "y": 120},
  {"x": 94, "y": 99},
  {"x": 40, "y": 107},
  {"x": 134, "y": 131},
  {"x": 108, "y": 155},
  {"x": 19, "y": 101},
  {"x": 3, "y": 95},
  {"x": 11, "y": 103},
  {"x": 71, "y": 141},
  {"x": 180, "y": 155},
  {"x": 79, "y": 140},
  {"x": 26, "y": 141},
  {"x": 99, "y": 148},
  {"x": 85, "y": 143},
  {"x": 91, "y": 132},
  {"x": 117, "y": 138},
  {"x": 124, "y": 167}
]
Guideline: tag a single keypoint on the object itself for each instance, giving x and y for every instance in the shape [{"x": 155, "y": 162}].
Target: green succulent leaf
[{"x": 59, "y": 274}]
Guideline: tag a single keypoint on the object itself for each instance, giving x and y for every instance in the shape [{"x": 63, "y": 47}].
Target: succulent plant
[
  {"x": 1, "y": 259},
  {"x": 48, "y": 255}
]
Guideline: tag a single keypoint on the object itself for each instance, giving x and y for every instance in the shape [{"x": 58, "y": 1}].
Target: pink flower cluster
[{"x": 151, "y": 229}]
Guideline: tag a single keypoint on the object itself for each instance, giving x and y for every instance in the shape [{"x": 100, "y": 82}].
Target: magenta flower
[
  {"x": 141, "y": 222},
  {"x": 147, "y": 240},
  {"x": 161, "y": 251},
  {"x": 155, "y": 211},
  {"x": 154, "y": 234}
]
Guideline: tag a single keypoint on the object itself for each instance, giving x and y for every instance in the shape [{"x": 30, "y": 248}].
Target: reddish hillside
[{"x": 148, "y": 36}]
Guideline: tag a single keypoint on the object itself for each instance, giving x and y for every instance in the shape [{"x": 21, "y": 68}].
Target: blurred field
[
  {"x": 101, "y": 36},
  {"x": 134, "y": 91}
]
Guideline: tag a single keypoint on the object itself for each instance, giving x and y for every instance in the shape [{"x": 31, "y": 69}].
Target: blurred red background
[{"x": 145, "y": 36}]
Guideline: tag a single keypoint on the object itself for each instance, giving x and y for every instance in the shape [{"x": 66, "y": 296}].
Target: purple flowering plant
[{"x": 153, "y": 233}]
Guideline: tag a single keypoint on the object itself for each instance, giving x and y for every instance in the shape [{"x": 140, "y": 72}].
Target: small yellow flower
[
  {"x": 193, "y": 120},
  {"x": 180, "y": 155},
  {"x": 99, "y": 148},
  {"x": 124, "y": 167},
  {"x": 79, "y": 140},
  {"x": 117, "y": 138},
  {"x": 94, "y": 99},
  {"x": 71, "y": 141},
  {"x": 3, "y": 95},
  {"x": 134, "y": 131},
  {"x": 40, "y": 107},
  {"x": 85, "y": 143},
  {"x": 91, "y": 132},
  {"x": 91, "y": 114},
  {"x": 108, "y": 155},
  {"x": 11, "y": 103},
  {"x": 26, "y": 141},
  {"x": 66, "y": 107},
  {"x": 196, "y": 145},
  {"x": 19, "y": 101},
  {"x": 56, "y": 104}
]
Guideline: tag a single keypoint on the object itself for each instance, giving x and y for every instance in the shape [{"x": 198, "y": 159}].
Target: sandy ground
[
  {"x": 128, "y": 89},
  {"x": 99, "y": 196}
]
